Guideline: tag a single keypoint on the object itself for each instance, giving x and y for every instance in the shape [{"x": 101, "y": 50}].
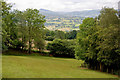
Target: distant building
[{"x": 119, "y": 9}]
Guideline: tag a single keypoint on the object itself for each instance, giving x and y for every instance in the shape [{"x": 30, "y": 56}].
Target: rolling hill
[
  {"x": 66, "y": 21},
  {"x": 86, "y": 13}
]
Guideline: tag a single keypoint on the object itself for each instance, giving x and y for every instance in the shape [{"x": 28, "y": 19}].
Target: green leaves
[
  {"x": 34, "y": 23},
  {"x": 108, "y": 17},
  {"x": 83, "y": 37},
  {"x": 9, "y": 31},
  {"x": 22, "y": 27},
  {"x": 62, "y": 48},
  {"x": 98, "y": 43}
]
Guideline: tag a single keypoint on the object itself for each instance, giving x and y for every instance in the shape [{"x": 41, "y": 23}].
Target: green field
[
  {"x": 46, "y": 67},
  {"x": 65, "y": 24}
]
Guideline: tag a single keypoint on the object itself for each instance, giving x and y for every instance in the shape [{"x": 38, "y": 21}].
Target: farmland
[{"x": 63, "y": 24}]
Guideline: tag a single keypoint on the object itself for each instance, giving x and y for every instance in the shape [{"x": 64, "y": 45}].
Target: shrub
[{"x": 61, "y": 48}]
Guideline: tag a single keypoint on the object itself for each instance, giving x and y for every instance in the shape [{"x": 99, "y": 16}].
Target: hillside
[
  {"x": 85, "y": 13},
  {"x": 66, "y": 21},
  {"x": 46, "y": 67}
]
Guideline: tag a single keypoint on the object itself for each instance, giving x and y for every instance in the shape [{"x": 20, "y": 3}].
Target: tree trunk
[
  {"x": 112, "y": 71},
  {"x": 22, "y": 36},
  {"x": 22, "y": 42},
  {"x": 29, "y": 49},
  {"x": 100, "y": 66},
  {"x": 107, "y": 70}
]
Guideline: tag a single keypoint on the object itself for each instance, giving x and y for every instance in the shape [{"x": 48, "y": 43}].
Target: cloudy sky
[{"x": 64, "y": 5}]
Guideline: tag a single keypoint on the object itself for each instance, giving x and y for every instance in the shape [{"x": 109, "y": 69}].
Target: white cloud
[{"x": 64, "y": 5}]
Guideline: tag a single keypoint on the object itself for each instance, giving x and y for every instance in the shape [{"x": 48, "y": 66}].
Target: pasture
[{"x": 46, "y": 67}]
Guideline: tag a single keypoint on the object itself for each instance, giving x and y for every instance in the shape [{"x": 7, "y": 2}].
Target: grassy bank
[{"x": 46, "y": 67}]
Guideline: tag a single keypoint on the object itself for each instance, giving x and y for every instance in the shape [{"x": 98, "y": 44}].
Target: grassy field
[{"x": 46, "y": 67}]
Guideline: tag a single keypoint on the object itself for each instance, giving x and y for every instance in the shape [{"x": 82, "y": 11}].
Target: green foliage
[
  {"x": 82, "y": 37},
  {"x": 9, "y": 28},
  {"x": 51, "y": 35},
  {"x": 108, "y": 17},
  {"x": 109, "y": 46},
  {"x": 49, "y": 38},
  {"x": 20, "y": 28},
  {"x": 39, "y": 44},
  {"x": 87, "y": 22},
  {"x": 60, "y": 34},
  {"x": 16, "y": 44},
  {"x": 109, "y": 49},
  {"x": 35, "y": 23},
  {"x": 98, "y": 41},
  {"x": 71, "y": 34},
  {"x": 62, "y": 48}
]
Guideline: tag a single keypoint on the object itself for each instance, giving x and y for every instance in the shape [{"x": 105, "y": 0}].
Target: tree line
[
  {"x": 98, "y": 42},
  {"x": 25, "y": 30},
  {"x": 20, "y": 29},
  {"x": 51, "y": 35}
]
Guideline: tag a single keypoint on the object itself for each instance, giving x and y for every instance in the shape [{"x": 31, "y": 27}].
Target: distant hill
[
  {"x": 66, "y": 21},
  {"x": 85, "y": 13},
  {"x": 49, "y": 13}
]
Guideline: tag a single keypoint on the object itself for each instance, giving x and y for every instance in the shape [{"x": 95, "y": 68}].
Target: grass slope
[{"x": 46, "y": 67}]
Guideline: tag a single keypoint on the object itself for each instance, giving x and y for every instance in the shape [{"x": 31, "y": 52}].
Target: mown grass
[{"x": 46, "y": 67}]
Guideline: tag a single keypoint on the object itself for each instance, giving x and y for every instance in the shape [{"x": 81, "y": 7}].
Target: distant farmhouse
[{"x": 119, "y": 9}]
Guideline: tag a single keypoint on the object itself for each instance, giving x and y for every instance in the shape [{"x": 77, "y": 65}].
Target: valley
[{"x": 66, "y": 21}]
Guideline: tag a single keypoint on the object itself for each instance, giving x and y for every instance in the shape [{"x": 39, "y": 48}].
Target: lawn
[{"x": 46, "y": 67}]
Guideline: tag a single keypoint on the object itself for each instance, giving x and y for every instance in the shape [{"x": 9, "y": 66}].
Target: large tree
[
  {"x": 9, "y": 30},
  {"x": 108, "y": 16},
  {"x": 35, "y": 23},
  {"x": 22, "y": 28},
  {"x": 82, "y": 37},
  {"x": 109, "y": 44}
]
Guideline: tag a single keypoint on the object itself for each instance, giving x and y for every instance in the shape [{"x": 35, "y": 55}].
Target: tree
[
  {"x": 60, "y": 34},
  {"x": 5, "y": 11},
  {"x": 22, "y": 28},
  {"x": 39, "y": 44},
  {"x": 34, "y": 21},
  {"x": 62, "y": 48},
  {"x": 50, "y": 35},
  {"x": 9, "y": 28},
  {"x": 82, "y": 37},
  {"x": 109, "y": 44},
  {"x": 39, "y": 38},
  {"x": 108, "y": 17},
  {"x": 71, "y": 34},
  {"x": 98, "y": 44},
  {"x": 109, "y": 47}
]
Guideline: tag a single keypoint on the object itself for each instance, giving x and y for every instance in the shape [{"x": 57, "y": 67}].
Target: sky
[{"x": 64, "y": 5}]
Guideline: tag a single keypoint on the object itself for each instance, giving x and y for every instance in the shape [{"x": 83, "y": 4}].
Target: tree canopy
[
  {"x": 22, "y": 29},
  {"x": 98, "y": 41}
]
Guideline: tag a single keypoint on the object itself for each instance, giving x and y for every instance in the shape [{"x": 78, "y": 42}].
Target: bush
[
  {"x": 16, "y": 44},
  {"x": 61, "y": 48},
  {"x": 49, "y": 38}
]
